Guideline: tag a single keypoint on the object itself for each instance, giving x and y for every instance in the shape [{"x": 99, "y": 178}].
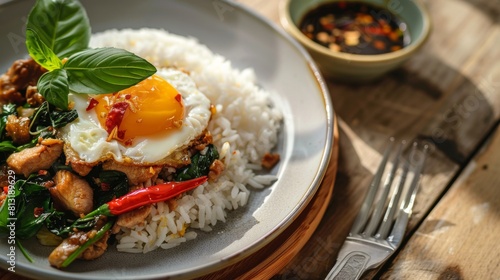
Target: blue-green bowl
[{"x": 359, "y": 67}]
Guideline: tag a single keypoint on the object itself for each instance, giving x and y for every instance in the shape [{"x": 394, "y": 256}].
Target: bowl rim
[{"x": 291, "y": 27}]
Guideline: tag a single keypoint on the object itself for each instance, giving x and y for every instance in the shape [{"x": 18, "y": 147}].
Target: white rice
[{"x": 244, "y": 128}]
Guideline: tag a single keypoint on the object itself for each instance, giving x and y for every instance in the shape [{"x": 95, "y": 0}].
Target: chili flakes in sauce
[{"x": 355, "y": 27}]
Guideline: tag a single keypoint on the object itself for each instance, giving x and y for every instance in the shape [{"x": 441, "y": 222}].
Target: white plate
[{"x": 282, "y": 67}]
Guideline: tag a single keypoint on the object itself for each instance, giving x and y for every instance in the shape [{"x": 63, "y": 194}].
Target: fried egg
[{"x": 143, "y": 124}]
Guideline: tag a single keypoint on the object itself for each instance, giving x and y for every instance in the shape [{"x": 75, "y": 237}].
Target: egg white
[{"x": 88, "y": 139}]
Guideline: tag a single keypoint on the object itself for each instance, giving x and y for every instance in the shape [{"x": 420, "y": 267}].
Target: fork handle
[{"x": 350, "y": 267}]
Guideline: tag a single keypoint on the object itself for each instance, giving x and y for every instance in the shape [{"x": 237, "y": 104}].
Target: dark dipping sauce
[{"x": 355, "y": 27}]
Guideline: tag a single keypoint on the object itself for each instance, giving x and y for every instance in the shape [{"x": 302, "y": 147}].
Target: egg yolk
[{"x": 147, "y": 108}]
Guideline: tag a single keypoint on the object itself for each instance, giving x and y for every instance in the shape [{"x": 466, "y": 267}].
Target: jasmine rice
[{"x": 244, "y": 128}]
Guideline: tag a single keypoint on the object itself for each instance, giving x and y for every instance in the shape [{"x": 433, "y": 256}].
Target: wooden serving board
[{"x": 270, "y": 260}]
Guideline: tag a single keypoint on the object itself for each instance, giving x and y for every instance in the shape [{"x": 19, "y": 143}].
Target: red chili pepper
[
  {"x": 105, "y": 186},
  {"x": 115, "y": 115},
  {"x": 373, "y": 30},
  {"x": 92, "y": 104},
  {"x": 6, "y": 189},
  {"x": 38, "y": 211},
  {"x": 140, "y": 197},
  {"x": 121, "y": 133},
  {"x": 328, "y": 26},
  {"x": 178, "y": 97}
]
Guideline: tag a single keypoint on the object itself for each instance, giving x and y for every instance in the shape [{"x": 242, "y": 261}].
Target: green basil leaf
[
  {"x": 105, "y": 70},
  {"x": 62, "y": 224},
  {"x": 30, "y": 196},
  {"x": 7, "y": 109},
  {"x": 62, "y": 25},
  {"x": 42, "y": 54},
  {"x": 31, "y": 144},
  {"x": 4, "y": 217},
  {"x": 53, "y": 86},
  {"x": 26, "y": 197},
  {"x": 7, "y": 146},
  {"x": 199, "y": 166},
  {"x": 116, "y": 183},
  {"x": 47, "y": 116}
]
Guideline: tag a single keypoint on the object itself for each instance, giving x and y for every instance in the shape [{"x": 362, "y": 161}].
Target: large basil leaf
[
  {"x": 105, "y": 70},
  {"x": 40, "y": 52},
  {"x": 62, "y": 25},
  {"x": 53, "y": 86}
]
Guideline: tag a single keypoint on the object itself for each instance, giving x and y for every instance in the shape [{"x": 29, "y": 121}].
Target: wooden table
[{"x": 448, "y": 96}]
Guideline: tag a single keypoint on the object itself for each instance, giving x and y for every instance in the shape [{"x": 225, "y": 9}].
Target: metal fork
[{"x": 375, "y": 235}]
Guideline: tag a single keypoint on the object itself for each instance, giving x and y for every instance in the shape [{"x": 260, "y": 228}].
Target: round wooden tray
[{"x": 271, "y": 259}]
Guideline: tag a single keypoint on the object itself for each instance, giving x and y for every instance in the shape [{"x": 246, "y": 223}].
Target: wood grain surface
[{"x": 459, "y": 238}]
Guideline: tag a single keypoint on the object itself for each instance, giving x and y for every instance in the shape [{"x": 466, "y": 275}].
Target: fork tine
[
  {"x": 379, "y": 210},
  {"x": 398, "y": 230},
  {"x": 364, "y": 212},
  {"x": 393, "y": 204}
]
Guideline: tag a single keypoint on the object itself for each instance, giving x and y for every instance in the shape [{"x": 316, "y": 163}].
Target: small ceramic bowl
[{"x": 359, "y": 67}]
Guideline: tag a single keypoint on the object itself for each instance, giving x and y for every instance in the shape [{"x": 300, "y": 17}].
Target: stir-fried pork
[
  {"x": 75, "y": 240},
  {"x": 19, "y": 129},
  {"x": 34, "y": 159},
  {"x": 134, "y": 217},
  {"x": 14, "y": 83},
  {"x": 216, "y": 169},
  {"x": 72, "y": 192}
]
